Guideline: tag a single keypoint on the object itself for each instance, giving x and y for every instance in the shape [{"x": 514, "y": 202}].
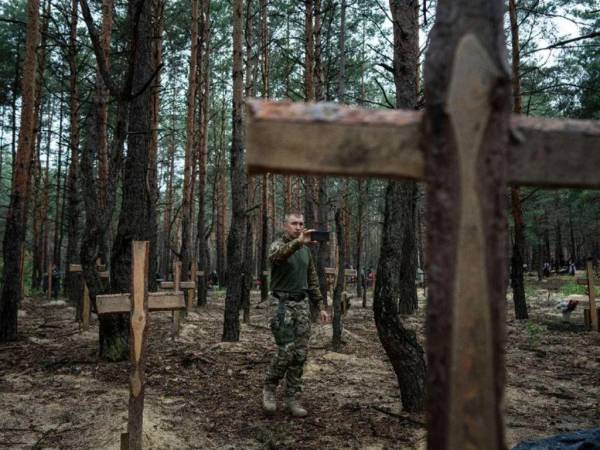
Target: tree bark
[
  {"x": 137, "y": 216},
  {"x": 337, "y": 321},
  {"x": 73, "y": 281},
  {"x": 395, "y": 291},
  {"x": 516, "y": 274},
  {"x": 235, "y": 240},
  {"x": 204, "y": 49},
  {"x": 186, "y": 249},
  {"x": 14, "y": 235}
]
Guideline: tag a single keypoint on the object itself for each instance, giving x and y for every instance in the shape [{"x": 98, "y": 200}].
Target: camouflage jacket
[{"x": 279, "y": 253}]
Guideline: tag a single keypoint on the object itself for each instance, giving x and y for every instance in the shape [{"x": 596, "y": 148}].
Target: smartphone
[{"x": 320, "y": 236}]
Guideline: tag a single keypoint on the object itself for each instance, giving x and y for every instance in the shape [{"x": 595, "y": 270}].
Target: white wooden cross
[
  {"x": 467, "y": 149},
  {"x": 139, "y": 303}
]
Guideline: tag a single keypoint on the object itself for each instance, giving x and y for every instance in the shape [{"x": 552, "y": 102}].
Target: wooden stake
[
  {"x": 176, "y": 287},
  {"x": 137, "y": 341},
  {"x": 592, "y": 295},
  {"x": 86, "y": 310},
  {"x": 191, "y": 294},
  {"x": 49, "y": 281}
]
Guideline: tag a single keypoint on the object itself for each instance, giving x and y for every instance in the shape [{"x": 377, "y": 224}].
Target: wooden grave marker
[
  {"x": 467, "y": 148},
  {"x": 139, "y": 303},
  {"x": 187, "y": 287},
  {"x": 590, "y": 316},
  {"x": 86, "y": 307}
]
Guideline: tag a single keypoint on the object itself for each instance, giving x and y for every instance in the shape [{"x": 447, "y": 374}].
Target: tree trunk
[
  {"x": 516, "y": 274},
  {"x": 186, "y": 250},
  {"x": 14, "y": 235},
  {"x": 137, "y": 216},
  {"x": 359, "y": 239},
  {"x": 235, "y": 240},
  {"x": 56, "y": 259},
  {"x": 167, "y": 219},
  {"x": 337, "y": 322},
  {"x": 222, "y": 197},
  {"x": 204, "y": 48},
  {"x": 73, "y": 281},
  {"x": 264, "y": 243},
  {"x": 102, "y": 99},
  {"x": 395, "y": 290},
  {"x": 558, "y": 247}
]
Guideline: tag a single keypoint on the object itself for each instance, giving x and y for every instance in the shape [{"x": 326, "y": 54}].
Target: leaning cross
[
  {"x": 139, "y": 302},
  {"x": 466, "y": 148}
]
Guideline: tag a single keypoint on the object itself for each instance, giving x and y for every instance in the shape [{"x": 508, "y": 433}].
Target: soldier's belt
[{"x": 294, "y": 297}]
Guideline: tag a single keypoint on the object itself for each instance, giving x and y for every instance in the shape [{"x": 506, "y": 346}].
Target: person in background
[{"x": 294, "y": 283}]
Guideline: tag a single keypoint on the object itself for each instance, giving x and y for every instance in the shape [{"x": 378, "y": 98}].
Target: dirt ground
[{"x": 202, "y": 393}]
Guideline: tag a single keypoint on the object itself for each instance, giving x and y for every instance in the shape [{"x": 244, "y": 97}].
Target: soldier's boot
[
  {"x": 268, "y": 400},
  {"x": 295, "y": 408}
]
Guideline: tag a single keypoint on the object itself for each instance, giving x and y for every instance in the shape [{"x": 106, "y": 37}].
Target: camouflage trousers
[{"x": 290, "y": 324}]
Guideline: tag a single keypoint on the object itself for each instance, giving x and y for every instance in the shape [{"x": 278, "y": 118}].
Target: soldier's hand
[
  {"x": 324, "y": 317},
  {"x": 305, "y": 236}
]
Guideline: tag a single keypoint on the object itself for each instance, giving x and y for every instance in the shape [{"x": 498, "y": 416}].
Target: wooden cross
[
  {"x": 467, "y": 149},
  {"x": 188, "y": 288},
  {"x": 86, "y": 306},
  {"x": 588, "y": 281},
  {"x": 139, "y": 303}
]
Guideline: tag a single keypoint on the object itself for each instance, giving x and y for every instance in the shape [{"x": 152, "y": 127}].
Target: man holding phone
[{"x": 294, "y": 283}]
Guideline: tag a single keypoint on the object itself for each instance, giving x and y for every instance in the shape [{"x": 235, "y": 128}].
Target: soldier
[{"x": 294, "y": 282}]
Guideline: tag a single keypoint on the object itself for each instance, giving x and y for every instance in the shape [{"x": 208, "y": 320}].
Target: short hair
[{"x": 296, "y": 213}]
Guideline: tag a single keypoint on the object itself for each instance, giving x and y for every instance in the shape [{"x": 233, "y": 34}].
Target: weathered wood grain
[
  {"x": 137, "y": 341},
  {"x": 326, "y": 138},
  {"x": 472, "y": 400},
  {"x": 157, "y": 301},
  {"x": 592, "y": 295}
]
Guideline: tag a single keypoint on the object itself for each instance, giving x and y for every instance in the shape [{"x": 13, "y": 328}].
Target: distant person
[
  {"x": 56, "y": 275},
  {"x": 572, "y": 268},
  {"x": 294, "y": 282},
  {"x": 547, "y": 268}
]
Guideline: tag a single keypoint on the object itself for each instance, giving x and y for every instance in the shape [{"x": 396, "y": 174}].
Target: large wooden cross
[
  {"x": 139, "y": 302},
  {"x": 467, "y": 148}
]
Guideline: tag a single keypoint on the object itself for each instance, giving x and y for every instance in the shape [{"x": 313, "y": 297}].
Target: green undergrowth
[{"x": 572, "y": 287}]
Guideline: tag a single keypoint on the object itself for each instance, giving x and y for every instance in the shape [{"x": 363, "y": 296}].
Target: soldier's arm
[
  {"x": 314, "y": 292},
  {"x": 280, "y": 251}
]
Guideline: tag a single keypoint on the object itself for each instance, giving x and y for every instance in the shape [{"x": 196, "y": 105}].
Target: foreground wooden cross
[
  {"x": 139, "y": 302},
  {"x": 467, "y": 148},
  {"x": 591, "y": 315}
]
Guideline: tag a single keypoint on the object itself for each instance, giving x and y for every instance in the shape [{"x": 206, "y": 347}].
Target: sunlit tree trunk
[{"x": 14, "y": 235}]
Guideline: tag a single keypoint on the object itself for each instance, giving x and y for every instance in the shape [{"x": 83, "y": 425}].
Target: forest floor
[{"x": 202, "y": 393}]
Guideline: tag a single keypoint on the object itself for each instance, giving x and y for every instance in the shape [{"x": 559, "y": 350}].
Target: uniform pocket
[{"x": 282, "y": 325}]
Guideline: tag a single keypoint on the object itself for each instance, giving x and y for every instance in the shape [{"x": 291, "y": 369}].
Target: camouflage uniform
[{"x": 290, "y": 322}]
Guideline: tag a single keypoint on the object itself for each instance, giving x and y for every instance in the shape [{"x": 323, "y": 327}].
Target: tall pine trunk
[
  {"x": 201, "y": 238},
  {"x": 14, "y": 235},
  {"x": 186, "y": 250},
  {"x": 73, "y": 281},
  {"x": 235, "y": 239},
  {"x": 137, "y": 217},
  {"x": 516, "y": 273},
  {"x": 395, "y": 290}
]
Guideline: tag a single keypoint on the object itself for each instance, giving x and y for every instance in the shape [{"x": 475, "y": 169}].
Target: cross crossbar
[
  {"x": 183, "y": 285},
  {"x": 157, "y": 301},
  {"x": 332, "y": 139}
]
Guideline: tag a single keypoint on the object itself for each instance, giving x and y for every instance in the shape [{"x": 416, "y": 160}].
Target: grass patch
[{"x": 572, "y": 287}]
